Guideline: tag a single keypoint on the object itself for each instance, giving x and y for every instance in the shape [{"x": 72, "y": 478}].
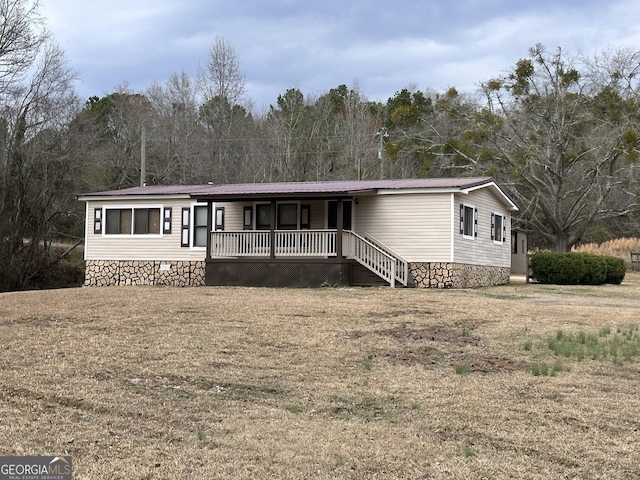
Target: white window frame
[
  {"x": 132, "y": 208},
  {"x": 474, "y": 224},
  {"x": 192, "y": 225},
  {"x": 498, "y": 237}
]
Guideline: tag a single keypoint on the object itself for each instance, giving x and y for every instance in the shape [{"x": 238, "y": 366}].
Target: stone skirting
[
  {"x": 102, "y": 273},
  {"x": 456, "y": 275}
]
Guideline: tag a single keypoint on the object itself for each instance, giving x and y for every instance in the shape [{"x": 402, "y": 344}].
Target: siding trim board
[{"x": 453, "y": 228}]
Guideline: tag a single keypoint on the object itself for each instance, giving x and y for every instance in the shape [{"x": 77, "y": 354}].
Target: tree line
[{"x": 559, "y": 132}]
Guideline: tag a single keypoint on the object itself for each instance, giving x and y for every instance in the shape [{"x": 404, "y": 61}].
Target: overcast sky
[{"x": 316, "y": 46}]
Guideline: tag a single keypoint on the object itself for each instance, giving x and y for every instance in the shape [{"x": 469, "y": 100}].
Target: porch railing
[
  {"x": 366, "y": 253},
  {"x": 240, "y": 244},
  {"x": 402, "y": 265},
  {"x": 288, "y": 243},
  {"x": 305, "y": 243},
  {"x": 311, "y": 243}
]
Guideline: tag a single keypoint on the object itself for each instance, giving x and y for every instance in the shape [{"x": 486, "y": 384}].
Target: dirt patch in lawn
[{"x": 438, "y": 345}]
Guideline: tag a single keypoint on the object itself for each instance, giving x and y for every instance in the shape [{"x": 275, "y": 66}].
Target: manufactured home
[{"x": 433, "y": 233}]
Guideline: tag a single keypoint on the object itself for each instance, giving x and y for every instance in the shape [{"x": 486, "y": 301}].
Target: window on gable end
[
  {"x": 468, "y": 221},
  {"x": 498, "y": 228}
]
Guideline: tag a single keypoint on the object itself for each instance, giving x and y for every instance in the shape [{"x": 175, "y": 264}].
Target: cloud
[{"x": 316, "y": 46}]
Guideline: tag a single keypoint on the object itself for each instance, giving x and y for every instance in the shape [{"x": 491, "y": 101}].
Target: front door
[{"x": 332, "y": 215}]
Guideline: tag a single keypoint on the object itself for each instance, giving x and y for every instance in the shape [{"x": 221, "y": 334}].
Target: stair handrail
[
  {"x": 373, "y": 258},
  {"x": 402, "y": 265}
]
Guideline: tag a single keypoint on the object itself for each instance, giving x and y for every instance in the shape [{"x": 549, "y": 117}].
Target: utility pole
[
  {"x": 143, "y": 160},
  {"x": 383, "y": 136}
]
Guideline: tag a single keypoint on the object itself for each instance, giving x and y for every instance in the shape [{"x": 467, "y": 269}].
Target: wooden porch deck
[{"x": 304, "y": 248}]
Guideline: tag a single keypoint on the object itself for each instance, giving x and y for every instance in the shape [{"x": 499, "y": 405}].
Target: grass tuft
[
  {"x": 620, "y": 347},
  {"x": 468, "y": 452}
]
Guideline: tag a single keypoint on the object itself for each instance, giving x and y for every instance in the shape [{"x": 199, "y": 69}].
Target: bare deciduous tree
[
  {"x": 222, "y": 77},
  {"x": 176, "y": 135},
  {"x": 37, "y": 103},
  {"x": 566, "y": 144}
]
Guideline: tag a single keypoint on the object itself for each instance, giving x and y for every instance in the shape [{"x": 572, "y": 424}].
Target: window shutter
[
  {"x": 219, "y": 218},
  {"x": 504, "y": 229},
  {"x": 461, "y": 219},
  {"x": 97, "y": 221},
  {"x": 166, "y": 223},
  {"x": 305, "y": 217},
  {"x": 247, "y": 222},
  {"x": 493, "y": 226},
  {"x": 184, "y": 232},
  {"x": 475, "y": 222}
]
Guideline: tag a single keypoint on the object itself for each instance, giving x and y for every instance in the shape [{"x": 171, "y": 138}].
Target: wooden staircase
[
  {"x": 376, "y": 258},
  {"x": 361, "y": 276}
]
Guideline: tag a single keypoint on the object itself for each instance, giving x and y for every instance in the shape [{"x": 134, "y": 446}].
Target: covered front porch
[
  {"x": 303, "y": 254},
  {"x": 265, "y": 253}
]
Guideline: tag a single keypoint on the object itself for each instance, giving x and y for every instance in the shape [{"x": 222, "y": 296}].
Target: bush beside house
[{"x": 571, "y": 268}]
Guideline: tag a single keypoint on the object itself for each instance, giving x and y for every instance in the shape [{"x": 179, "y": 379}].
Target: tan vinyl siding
[
  {"x": 318, "y": 215},
  {"x": 482, "y": 250},
  {"x": 233, "y": 212},
  {"x": 125, "y": 247},
  {"x": 416, "y": 226}
]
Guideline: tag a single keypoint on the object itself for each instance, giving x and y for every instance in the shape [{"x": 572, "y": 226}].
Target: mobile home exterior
[{"x": 438, "y": 233}]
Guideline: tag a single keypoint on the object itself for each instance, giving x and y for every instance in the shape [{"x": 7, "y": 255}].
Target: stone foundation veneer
[
  {"x": 103, "y": 273},
  {"x": 456, "y": 275}
]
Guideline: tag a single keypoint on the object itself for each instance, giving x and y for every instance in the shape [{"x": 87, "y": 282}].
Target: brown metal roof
[
  {"x": 149, "y": 190},
  {"x": 337, "y": 187},
  {"x": 290, "y": 189}
]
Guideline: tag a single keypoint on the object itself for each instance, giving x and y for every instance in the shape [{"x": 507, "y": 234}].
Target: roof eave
[
  {"x": 253, "y": 196},
  {"x": 497, "y": 190},
  {"x": 129, "y": 196}
]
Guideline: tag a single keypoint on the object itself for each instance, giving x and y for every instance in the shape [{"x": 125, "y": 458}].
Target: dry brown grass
[{"x": 156, "y": 382}]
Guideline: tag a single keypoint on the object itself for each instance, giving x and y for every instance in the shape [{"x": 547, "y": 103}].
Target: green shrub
[
  {"x": 572, "y": 268},
  {"x": 616, "y": 270},
  {"x": 595, "y": 269},
  {"x": 557, "y": 267}
]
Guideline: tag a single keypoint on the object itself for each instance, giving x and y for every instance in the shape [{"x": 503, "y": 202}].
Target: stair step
[{"x": 363, "y": 277}]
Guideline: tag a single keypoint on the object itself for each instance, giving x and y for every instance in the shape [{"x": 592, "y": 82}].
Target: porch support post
[
  {"x": 272, "y": 233},
  {"x": 339, "y": 221},
  {"x": 209, "y": 228}
]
